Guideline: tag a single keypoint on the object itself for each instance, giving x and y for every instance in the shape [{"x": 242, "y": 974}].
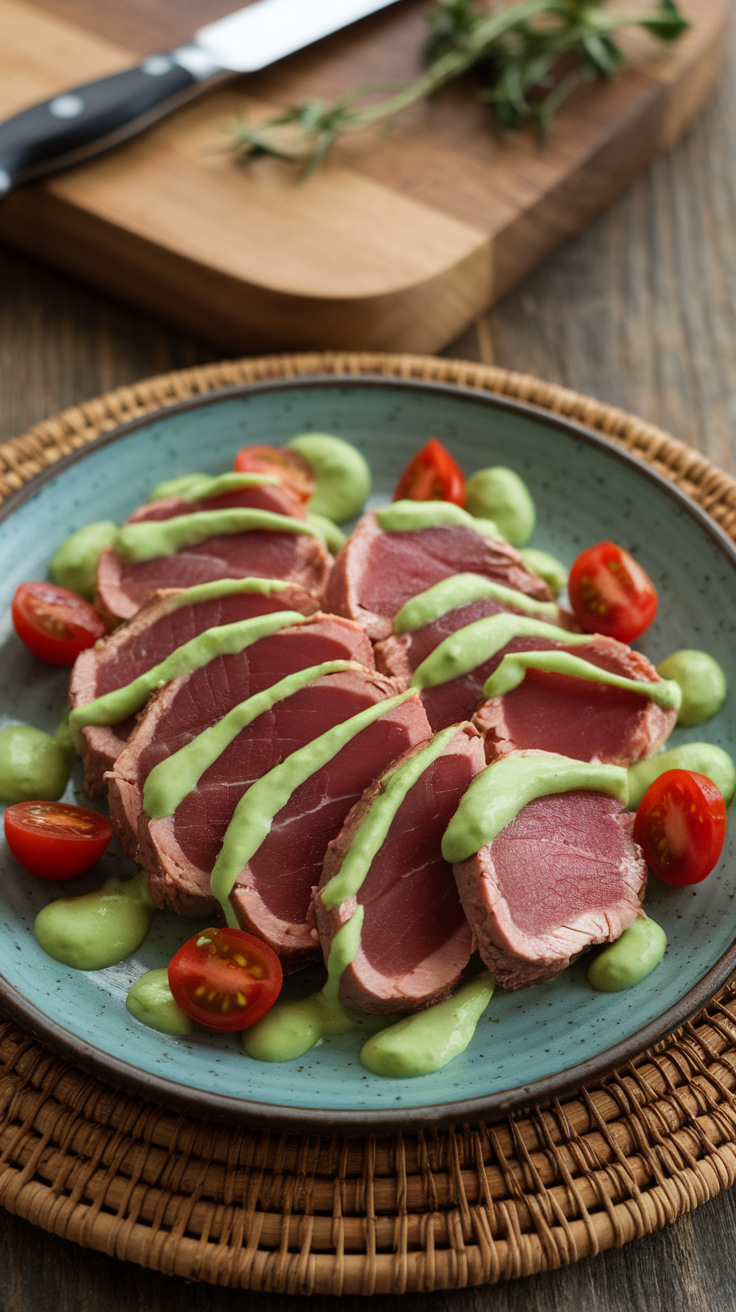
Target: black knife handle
[{"x": 89, "y": 119}]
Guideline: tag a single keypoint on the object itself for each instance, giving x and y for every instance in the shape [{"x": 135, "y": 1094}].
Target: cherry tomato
[
  {"x": 680, "y": 826},
  {"x": 54, "y": 840},
  {"x": 290, "y": 467},
  {"x": 432, "y": 475},
  {"x": 54, "y": 623},
  {"x": 225, "y": 979},
  {"x": 610, "y": 593}
]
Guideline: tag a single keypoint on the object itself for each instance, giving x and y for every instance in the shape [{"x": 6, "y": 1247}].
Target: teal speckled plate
[{"x": 535, "y": 1044}]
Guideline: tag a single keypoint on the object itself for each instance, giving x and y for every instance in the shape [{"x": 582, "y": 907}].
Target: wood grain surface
[
  {"x": 639, "y": 311},
  {"x": 398, "y": 242}
]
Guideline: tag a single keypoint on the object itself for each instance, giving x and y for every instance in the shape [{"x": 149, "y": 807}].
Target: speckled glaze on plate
[{"x": 535, "y": 1044}]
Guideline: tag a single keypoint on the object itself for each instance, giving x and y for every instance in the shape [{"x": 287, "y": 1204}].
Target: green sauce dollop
[
  {"x": 704, "y": 758},
  {"x": 75, "y": 564},
  {"x": 499, "y": 494},
  {"x": 427, "y": 1040},
  {"x": 547, "y": 567},
  {"x": 98, "y": 929},
  {"x": 412, "y": 516},
  {"x": 151, "y": 1001},
  {"x": 342, "y": 476},
  {"x": 630, "y": 959},
  {"x": 460, "y": 590},
  {"x": 34, "y": 767},
  {"x": 702, "y": 681}
]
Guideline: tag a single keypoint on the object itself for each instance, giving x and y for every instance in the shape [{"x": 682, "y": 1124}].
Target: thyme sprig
[{"x": 529, "y": 57}]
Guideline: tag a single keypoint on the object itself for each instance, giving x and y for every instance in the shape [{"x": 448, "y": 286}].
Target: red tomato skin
[
  {"x": 289, "y": 466},
  {"x": 610, "y": 593},
  {"x": 54, "y": 623},
  {"x": 681, "y": 810},
  {"x": 194, "y": 967},
  {"x": 54, "y": 840},
  {"x": 432, "y": 475}
]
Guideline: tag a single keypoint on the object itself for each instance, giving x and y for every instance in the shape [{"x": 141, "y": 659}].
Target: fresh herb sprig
[{"x": 529, "y": 57}]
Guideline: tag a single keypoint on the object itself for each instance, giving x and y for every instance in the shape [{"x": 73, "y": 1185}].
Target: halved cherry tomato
[
  {"x": 225, "y": 979},
  {"x": 610, "y": 593},
  {"x": 54, "y": 840},
  {"x": 289, "y": 466},
  {"x": 432, "y": 475},
  {"x": 54, "y": 623},
  {"x": 680, "y": 826}
]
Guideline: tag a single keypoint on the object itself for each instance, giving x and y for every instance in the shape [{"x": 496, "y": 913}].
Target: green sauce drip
[
  {"x": 150, "y": 539},
  {"x": 460, "y": 590},
  {"x": 97, "y": 929},
  {"x": 258, "y": 808},
  {"x": 630, "y": 959},
  {"x": 373, "y": 832},
  {"x": 702, "y": 681},
  {"x": 410, "y": 516},
  {"x": 547, "y": 567},
  {"x": 291, "y": 1028},
  {"x": 225, "y": 640},
  {"x": 342, "y": 475},
  {"x": 223, "y": 588},
  {"x": 499, "y": 494},
  {"x": 426, "y": 1041},
  {"x": 75, "y": 564},
  {"x": 151, "y": 1001},
  {"x": 200, "y": 487},
  {"x": 704, "y": 758},
  {"x": 512, "y": 671},
  {"x": 468, "y": 648},
  {"x": 174, "y": 778},
  {"x": 497, "y": 795},
  {"x": 34, "y": 767}
]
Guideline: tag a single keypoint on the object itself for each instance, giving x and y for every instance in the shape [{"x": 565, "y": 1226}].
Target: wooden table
[{"x": 641, "y": 312}]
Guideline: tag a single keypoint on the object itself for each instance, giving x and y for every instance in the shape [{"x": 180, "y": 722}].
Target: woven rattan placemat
[{"x": 267, "y": 1211}]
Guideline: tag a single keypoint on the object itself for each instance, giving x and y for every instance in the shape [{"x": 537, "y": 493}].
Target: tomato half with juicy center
[
  {"x": 55, "y": 623},
  {"x": 432, "y": 475},
  {"x": 680, "y": 826},
  {"x": 610, "y": 593},
  {"x": 225, "y": 979},
  {"x": 288, "y": 466},
  {"x": 55, "y": 840}
]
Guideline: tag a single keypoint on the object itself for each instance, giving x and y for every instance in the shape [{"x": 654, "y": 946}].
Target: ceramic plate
[{"x": 537, "y": 1043}]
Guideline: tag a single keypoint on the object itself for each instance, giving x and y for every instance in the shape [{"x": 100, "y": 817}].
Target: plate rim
[{"x": 489, "y": 1107}]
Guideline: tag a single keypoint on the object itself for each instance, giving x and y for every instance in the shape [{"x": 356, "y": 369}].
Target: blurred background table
[{"x": 641, "y": 312}]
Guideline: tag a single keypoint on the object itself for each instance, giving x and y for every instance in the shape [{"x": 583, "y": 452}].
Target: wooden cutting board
[{"x": 399, "y": 243}]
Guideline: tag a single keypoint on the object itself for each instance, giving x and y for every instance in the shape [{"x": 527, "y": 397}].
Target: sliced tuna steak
[
  {"x": 578, "y": 718},
  {"x": 565, "y": 874},
  {"x": 273, "y": 895},
  {"x": 377, "y": 572},
  {"x": 157, "y": 629},
  {"x": 195, "y": 701},
  {"x": 278, "y": 499},
  {"x": 415, "y": 939}
]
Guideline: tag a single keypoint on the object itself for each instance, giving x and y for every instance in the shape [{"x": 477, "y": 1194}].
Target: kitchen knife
[{"x": 89, "y": 119}]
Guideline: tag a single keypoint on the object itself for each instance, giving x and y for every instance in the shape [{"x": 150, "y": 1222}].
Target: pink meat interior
[
  {"x": 278, "y": 500},
  {"x": 575, "y": 717},
  {"x": 459, "y": 699},
  {"x": 400, "y": 565},
  {"x": 260, "y": 554}
]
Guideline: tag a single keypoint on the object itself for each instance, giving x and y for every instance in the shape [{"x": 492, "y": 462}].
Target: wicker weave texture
[{"x": 262, "y": 1211}]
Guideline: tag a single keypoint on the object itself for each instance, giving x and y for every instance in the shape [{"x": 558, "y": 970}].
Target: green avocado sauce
[
  {"x": 547, "y": 567},
  {"x": 151, "y": 1001},
  {"x": 200, "y": 487},
  {"x": 99, "y": 929},
  {"x": 702, "y": 681},
  {"x": 223, "y": 588},
  {"x": 152, "y": 538},
  {"x": 75, "y": 564},
  {"x": 704, "y": 758},
  {"x": 426, "y": 1041},
  {"x": 334, "y": 538},
  {"x": 469, "y": 647},
  {"x": 630, "y": 959},
  {"x": 224, "y": 640},
  {"x": 513, "y": 667},
  {"x": 501, "y": 495},
  {"x": 174, "y": 778},
  {"x": 498, "y": 794},
  {"x": 257, "y": 809},
  {"x": 460, "y": 590},
  {"x": 410, "y": 516},
  {"x": 34, "y": 766},
  {"x": 342, "y": 475}
]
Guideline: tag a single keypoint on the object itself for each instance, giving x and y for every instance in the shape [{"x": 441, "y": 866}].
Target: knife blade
[{"x": 86, "y": 120}]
